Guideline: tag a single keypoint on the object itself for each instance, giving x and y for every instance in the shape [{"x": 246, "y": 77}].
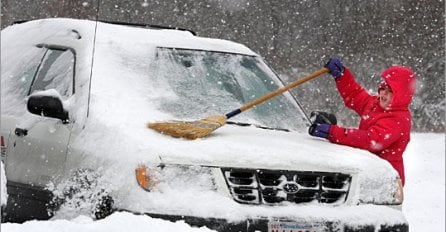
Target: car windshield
[{"x": 204, "y": 83}]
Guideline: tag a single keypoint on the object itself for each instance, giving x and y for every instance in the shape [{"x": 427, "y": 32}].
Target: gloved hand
[
  {"x": 335, "y": 66},
  {"x": 319, "y": 130}
]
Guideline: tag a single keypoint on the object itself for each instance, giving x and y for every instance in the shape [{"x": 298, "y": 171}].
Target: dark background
[{"x": 297, "y": 37}]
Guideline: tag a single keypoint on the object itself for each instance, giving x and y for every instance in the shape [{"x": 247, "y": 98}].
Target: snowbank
[
  {"x": 116, "y": 222},
  {"x": 424, "y": 205},
  {"x": 4, "y": 195}
]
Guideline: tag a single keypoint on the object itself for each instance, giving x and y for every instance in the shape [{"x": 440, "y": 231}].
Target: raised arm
[{"x": 355, "y": 97}]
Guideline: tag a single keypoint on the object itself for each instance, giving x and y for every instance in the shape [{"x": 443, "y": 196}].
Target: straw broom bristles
[{"x": 189, "y": 130}]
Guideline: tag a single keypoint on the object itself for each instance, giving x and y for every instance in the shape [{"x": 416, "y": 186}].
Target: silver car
[{"x": 76, "y": 97}]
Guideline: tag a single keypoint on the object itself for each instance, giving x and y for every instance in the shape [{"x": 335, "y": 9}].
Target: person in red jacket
[{"x": 385, "y": 123}]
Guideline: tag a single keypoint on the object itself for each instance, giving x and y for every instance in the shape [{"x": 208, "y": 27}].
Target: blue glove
[
  {"x": 319, "y": 130},
  {"x": 335, "y": 66}
]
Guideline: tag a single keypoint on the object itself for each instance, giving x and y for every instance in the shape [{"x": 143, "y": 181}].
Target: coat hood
[{"x": 402, "y": 81}]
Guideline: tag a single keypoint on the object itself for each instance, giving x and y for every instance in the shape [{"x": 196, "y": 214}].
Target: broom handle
[{"x": 276, "y": 92}]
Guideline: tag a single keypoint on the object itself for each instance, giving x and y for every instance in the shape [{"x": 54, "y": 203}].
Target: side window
[
  {"x": 56, "y": 71},
  {"x": 23, "y": 71}
]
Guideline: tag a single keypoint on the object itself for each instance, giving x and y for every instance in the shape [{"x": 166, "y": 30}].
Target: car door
[{"x": 37, "y": 148}]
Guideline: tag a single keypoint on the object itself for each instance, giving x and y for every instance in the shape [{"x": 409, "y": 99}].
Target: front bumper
[
  {"x": 256, "y": 225},
  {"x": 361, "y": 218},
  {"x": 219, "y": 213}
]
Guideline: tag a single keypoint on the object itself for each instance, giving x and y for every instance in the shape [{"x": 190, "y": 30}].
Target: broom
[{"x": 204, "y": 127}]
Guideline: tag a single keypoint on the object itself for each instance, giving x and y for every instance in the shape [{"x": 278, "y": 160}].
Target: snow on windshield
[{"x": 208, "y": 83}]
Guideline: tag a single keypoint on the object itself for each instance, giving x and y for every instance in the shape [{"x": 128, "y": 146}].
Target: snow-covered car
[{"x": 76, "y": 97}]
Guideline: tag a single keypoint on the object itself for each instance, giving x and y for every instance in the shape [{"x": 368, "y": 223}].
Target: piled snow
[
  {"x": 424, "y": 160},
  {"x": 3, "y": 193},
  {"x": 116, "y": 222}
]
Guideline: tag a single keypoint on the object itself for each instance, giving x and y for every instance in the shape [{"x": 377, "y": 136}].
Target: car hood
[
  {"x": 228, "y": 146},
  {"x": 250, "y": 147}
]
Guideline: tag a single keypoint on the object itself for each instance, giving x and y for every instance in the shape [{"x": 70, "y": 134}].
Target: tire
[
  {"x": 84, "y": 193},
  {"x": 104, "y": 208}
]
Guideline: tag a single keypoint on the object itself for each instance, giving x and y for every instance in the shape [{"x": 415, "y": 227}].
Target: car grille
[{"x": 275, "y": 186}]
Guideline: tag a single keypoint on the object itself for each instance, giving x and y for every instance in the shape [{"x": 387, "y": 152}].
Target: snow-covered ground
[
  {"x": 424, "y": 204},
  {"x": 116, "y": 222},
  {"x": 3, "y": 193}
]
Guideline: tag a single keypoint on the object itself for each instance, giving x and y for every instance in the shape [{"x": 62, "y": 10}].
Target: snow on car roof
[{"x": 159, "y": 37}]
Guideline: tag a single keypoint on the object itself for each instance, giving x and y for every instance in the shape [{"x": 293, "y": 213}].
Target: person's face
[{"x": 385, "y": 97}]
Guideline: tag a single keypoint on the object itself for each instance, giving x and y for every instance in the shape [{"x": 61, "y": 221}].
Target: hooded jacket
[{"x": 384, "y": 132}]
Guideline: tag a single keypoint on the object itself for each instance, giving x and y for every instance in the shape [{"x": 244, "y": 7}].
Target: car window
[
  {"x": 204, "y": 83},
  {"x": 56, "y": 71},
  {"x": 24, "y": 70}
]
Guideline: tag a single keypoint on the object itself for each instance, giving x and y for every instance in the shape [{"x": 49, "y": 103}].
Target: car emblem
[{"x": 290, "y": 188}]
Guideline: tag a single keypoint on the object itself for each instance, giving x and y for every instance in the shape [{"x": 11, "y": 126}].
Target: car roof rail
[
  {"x": 143, "y": 25},
  {"x": 20, "y": 21}
]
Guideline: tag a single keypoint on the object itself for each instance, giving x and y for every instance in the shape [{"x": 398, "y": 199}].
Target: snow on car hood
[
  {"x": 235, "y": 146},
  {"x": 230, "y": 146}
]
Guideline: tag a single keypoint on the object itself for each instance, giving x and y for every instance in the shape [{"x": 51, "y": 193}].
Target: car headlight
[
  {"x": 382, "y": 192},
  {"x": 165, "y": 177},
  {"x": 398, "y": 196}
]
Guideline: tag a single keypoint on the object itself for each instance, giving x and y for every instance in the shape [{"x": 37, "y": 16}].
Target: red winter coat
[{"x": 384, "y": 132}]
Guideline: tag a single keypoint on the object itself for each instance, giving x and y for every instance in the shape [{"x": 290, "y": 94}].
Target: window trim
[{"x": 59, "y": 48}]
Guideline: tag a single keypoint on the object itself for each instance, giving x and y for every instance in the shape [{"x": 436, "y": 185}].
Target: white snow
[
  {"x": 4, "y": 194},
  {"x": 424, "y": 205},
  {"x": 116, "y": 222}
]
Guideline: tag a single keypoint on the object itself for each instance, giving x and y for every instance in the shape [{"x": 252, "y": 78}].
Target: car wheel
[
  {"x": 84, "y": 193},
  {"x": 104, "y": 207}
]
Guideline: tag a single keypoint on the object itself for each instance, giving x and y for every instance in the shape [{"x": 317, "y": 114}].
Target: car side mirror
[
  {"x": 323, "y": 118},
  {"x": 47, "y": 106}
]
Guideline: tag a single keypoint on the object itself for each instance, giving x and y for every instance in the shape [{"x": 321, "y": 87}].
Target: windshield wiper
[{"x": 255, "y": 125}]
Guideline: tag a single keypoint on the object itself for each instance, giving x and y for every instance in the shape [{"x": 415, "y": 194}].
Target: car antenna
[{"x": 92, "y": 56}]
